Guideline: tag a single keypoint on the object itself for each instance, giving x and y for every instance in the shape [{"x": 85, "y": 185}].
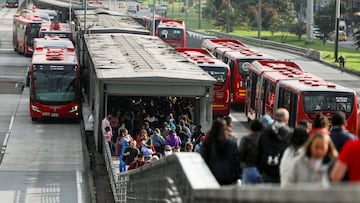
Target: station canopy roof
[
  {"x": 138, "y": 60},
  {"x": 105, "y": 21}
]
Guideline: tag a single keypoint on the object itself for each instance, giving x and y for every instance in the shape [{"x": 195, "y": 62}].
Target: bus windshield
[
  {"x": 12, "y": 1},
  {"x": 55, "y": 84},
  {"x": 170, "y": 33},
  {"x": 328, "y": 101},
  {"x": 53, "y": 34},
  {"x": 243, "y": 66},
  {"x": 218, "y": 73}
]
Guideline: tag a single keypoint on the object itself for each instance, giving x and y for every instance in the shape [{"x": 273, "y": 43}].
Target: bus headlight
[
  {"x": 73, "y": 109},
  {"x": 35, "y": 108}
]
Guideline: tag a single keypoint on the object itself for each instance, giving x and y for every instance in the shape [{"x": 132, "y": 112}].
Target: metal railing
[{"x": 310, "y": 53}]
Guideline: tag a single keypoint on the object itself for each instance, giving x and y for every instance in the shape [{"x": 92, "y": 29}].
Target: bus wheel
[{"x": 34, "y": 119}]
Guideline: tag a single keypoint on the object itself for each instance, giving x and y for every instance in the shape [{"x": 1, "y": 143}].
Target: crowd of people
[
  {"x": 156, "y": 135},
  {"x": 272, "y": 152},
  {"x": 275, "y": 153}
]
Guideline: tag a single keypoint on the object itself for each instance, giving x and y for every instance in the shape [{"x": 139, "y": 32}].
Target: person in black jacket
[
  {"x": 221, "y": 153},
  {"x": 248, "y": 154},
  {"x": 271, "y": 146}
]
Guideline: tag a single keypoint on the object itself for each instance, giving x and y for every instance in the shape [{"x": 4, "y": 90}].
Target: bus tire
[
  {"x": 27, "y": 82},
  {"x": 34, "y": 119}
]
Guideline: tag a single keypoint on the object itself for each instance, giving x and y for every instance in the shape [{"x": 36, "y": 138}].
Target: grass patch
[{"x": 352, "y": 56}]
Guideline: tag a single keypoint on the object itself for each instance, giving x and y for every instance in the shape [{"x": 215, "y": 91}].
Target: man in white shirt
[{"x": 106, "y": 123}]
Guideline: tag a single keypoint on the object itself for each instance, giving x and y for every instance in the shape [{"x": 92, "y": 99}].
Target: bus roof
[
  {"x": 247, "y": 54},
  {"x": 200, "y": 57},
  {"x": 52, "y": 42},
  {"x": 171, "y": 23},
  {"x": 212, "y": 44},
  {"x": 289, "y": 74},
  {"x": 109, "y": 23},
  {"x": 55, "y": 27},
  {"x": 28, "y": 19},
  {"x": 304, "y": 85},
  {"x": 135, "y": 58},
  {"x": 261, "y": 66},
  {"x": 54, "y": 56}
]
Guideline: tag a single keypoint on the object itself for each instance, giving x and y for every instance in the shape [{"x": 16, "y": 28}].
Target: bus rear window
[
  {"x": 54, "y": 34},
  {"x": 218, "y": 73},
  {"x": 170, "y": 33},
  {"x": 328, "y": 101}
]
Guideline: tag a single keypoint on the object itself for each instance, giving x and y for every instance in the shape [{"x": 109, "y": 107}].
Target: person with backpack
[
  {"x": 271, "y": 146},
  {"x": 342, "y": 63},
  {"x": 248, "y": 154}
]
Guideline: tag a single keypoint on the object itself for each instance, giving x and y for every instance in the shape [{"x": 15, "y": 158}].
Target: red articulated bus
[
  {"x": 53, "y": 29},
  {"x": 213, "y": 44},
  {"x": 239, "y": 57},
  {"x": 218, "y": 70},
  {"x": 54, "y": 83},
  {"x": 25, "y": 30},
  {"x": 262, "y": 78},
  {"x": 172, "y": 32},
  {"x": 306, "y": 98}
]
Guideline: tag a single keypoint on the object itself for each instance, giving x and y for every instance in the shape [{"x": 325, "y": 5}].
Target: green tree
[
  {"x": 274, "y": 24},
  {"x": 299, "y": 29},
  {"x": 325, "y": 18}
]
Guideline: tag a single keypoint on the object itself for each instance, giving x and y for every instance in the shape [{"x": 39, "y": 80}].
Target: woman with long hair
[
  {"x": 221, "y": 153},
  {"x": 312, "y": 167},
  {"x": 293, "y": 151}
]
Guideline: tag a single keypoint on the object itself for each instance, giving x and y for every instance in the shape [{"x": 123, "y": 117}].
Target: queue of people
[{"x": 277, "y": 154}]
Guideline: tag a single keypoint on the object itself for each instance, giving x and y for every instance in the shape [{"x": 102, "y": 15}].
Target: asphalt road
[{"x": 43, "y": 161}]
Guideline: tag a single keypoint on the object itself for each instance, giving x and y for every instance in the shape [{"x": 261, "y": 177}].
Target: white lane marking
[
  {"x": 233, "y": 118},
  {"x": 7, "y": 134},
  {"x": 78, "y": 186}
]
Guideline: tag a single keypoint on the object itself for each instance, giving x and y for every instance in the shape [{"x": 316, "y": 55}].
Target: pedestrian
[
  {"x": 197, "y": 132},
  {"x": 173, "y": 140},
  {"x": 348, "y": 161},
  {"x": 339, "y": 135},
  {"x": 140, "y": 161},
  {"x": 130, "y": 153},
  {"x": 292, "y": 152},
  {"x": 248, "y": 154},
  {"x": 342, "y": 63},
  {"x": 106, "y": 123},
  {"x": 313, "y": 166},
  {"x": 108, "y": 136},
  {"x": 198, "y": 146},
  {"x": 185, "y": 129},
  {"x": 165, "y": 130},
  {"x": 220, "y": 153},
  {"x": 168, "y": 150},
  {"x": 266, "y": 120},
  {"x": 189, "y": 147},
  {"x": 146, "y": 150},
  {"x": 320, "y": 124},
  {"x": 122, "y": 148},
  {"x": 305, "y": 124},
  {"x": 271, "y": 146},
  {"x": 158, "y": 141}
]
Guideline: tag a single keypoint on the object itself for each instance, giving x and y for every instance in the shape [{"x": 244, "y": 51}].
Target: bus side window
[{"x": 226, "y": 60}]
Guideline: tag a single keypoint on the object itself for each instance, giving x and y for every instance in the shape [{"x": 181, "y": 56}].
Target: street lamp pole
[
  {"x": 309, "y": 21},
  {"x": 337, "y": 30},
  {"x": 153, "y": 20},
  {"x": 199, "y": 25},
  {"x": 259, "y": 20},
  {"x": 228, "y": 17},
  {"x": 70, "y": 13}
]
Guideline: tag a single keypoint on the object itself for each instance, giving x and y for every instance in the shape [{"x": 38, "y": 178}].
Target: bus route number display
[{"x": 341, "y": 99}]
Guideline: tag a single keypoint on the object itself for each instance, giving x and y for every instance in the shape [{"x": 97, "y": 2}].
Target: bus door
[{"x": 289, "y": 101}]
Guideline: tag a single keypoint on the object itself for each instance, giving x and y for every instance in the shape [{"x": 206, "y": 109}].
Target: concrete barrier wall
[{"x": 273, "y": 194}]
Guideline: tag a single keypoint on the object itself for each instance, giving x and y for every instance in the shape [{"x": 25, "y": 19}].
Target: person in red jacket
[
  {"x": 140, "y": 161},
  {"x": 348, "y": 161}
]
